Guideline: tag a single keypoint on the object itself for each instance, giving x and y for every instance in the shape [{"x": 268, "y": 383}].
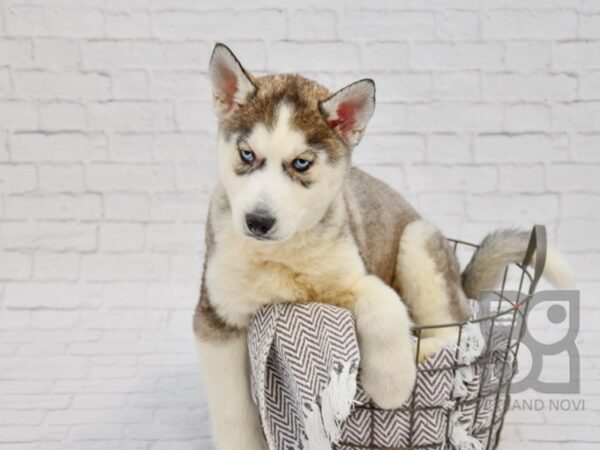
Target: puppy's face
[{"x": 284, "y": 145}]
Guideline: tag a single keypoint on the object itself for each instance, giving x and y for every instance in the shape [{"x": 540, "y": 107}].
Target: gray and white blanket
[{"x": 305, "y": 360}]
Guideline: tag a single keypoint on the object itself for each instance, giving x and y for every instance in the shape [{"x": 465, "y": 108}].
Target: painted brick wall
[{"x": 488, "y": 114}]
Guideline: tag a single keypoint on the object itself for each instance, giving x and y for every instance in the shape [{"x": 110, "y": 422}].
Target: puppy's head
[{"x": 284, "y": 145}]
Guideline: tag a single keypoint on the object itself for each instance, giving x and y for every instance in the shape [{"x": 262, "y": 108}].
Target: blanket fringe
[
  {"x": 472, "y": 344},
  {"x": 314, "y": 437},
  {"x": 323, "y": 424},
  {"x": 459, "y": 436},
  {"x": 337, "y": 399}
]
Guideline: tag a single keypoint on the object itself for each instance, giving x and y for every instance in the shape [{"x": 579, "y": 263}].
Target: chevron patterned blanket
[{"x": 304, "y": 366}]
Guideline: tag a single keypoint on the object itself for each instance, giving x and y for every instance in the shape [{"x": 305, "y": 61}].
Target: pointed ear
[
  {"x": 232, "y": 84},
  {"x": 349, "y": 110}
]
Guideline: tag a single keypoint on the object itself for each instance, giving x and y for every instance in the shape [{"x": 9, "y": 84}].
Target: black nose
[{"x": 260, "y": 222}]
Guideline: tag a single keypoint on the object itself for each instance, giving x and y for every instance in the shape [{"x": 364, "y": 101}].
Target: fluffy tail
[{"x": 503, "y": 247}]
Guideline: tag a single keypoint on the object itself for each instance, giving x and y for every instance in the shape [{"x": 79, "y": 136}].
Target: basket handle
[{"x": 538, "y": 244}]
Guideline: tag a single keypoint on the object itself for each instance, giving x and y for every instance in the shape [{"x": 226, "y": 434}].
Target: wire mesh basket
[{"x": 459, "y": 402}]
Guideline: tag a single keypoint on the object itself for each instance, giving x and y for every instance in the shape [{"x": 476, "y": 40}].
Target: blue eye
[
  {"x": 301, "y": 165},
  {"x": 247, "y": 155}
]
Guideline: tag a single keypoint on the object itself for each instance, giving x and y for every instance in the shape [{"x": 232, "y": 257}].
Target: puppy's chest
[
  {"x": 240, "y": 284},
  {"x": 306, "y": 281}
]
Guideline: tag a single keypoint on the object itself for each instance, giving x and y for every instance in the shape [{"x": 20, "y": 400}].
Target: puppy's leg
[
  {"x": 235, "y": 419},
  {"x": 429, "y": 277},
  {"x": 383, "y": 326}
]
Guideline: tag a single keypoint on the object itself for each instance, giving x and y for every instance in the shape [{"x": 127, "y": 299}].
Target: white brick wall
[{"x": 488, "y": 115}]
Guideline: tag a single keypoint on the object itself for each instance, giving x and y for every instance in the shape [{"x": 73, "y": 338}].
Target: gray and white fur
[{"x": 291, "y": 220}]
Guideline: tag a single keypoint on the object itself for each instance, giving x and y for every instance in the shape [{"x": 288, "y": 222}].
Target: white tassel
[
  {"x": 472, "y": 344},
  {"x": 337, "y": 399},
  {"x": 322, "y": 424},
  {"x": 315, "y": 437},
  {"x": 460, "y": 438},
  {"x": 449, "y": 404},
  {"x": 460, "y": 388}
]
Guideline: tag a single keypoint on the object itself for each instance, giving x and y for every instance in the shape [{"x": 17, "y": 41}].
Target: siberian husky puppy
[{"x": 292, "y": 221}]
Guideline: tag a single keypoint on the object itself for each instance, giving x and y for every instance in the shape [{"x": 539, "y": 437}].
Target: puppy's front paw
[
  {"x": 388, "y": 377},
  {"x": 387, "y": 357}
]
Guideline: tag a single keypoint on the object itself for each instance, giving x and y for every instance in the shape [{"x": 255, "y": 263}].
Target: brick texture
[{"x": 488, "y": 114}]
